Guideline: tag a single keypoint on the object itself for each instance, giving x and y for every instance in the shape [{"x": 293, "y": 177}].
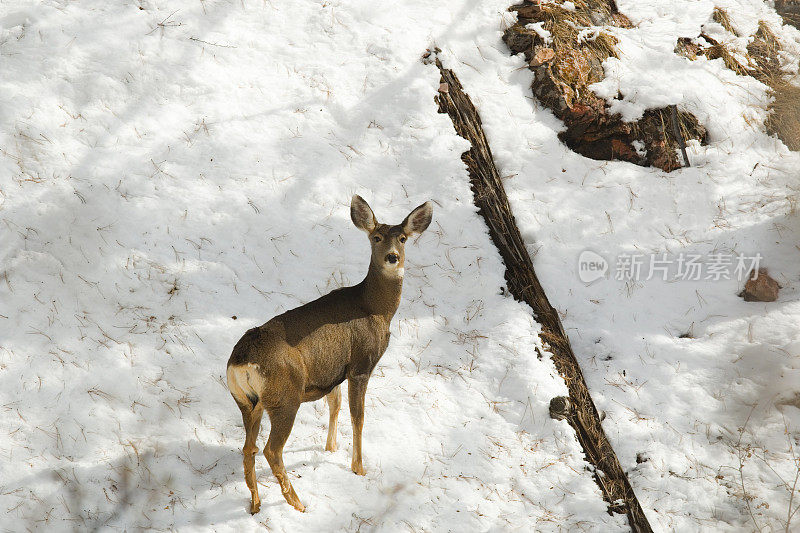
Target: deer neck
[{"x": 380, "y": 292}]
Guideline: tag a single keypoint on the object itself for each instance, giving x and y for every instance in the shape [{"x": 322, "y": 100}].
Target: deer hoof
[
  {"x": 255, "y": 506},
  {"x": 359, "y": 470},
  {"x": 299, "y": 506},
  {"x": 330, "y": 447}
]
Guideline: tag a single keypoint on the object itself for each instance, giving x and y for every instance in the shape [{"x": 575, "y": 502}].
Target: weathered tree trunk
[{"x": 490, "y": 197}]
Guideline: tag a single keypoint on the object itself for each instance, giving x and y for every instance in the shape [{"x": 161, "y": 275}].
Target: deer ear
[
  {"x": 418, "y": 220},
  {"x": 361, "y": 214}
]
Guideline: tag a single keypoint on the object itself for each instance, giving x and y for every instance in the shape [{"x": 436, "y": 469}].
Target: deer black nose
[{"x": 392, "y": 258}]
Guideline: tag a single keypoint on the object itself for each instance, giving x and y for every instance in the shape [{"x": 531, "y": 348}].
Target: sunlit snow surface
[
  {"x": 709, "y": 417},
  {"x": 155, "y": 185},
  {"x": 167, "y": 166}
]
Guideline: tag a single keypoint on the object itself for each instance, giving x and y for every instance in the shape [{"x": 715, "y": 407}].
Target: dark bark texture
[{"x": 491, "y": 199}]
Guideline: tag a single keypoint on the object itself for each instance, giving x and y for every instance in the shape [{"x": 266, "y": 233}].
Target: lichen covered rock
[{"x": 565, "y": 51}]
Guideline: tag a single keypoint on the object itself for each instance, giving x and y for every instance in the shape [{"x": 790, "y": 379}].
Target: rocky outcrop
[{"x": 565, "y": 50}]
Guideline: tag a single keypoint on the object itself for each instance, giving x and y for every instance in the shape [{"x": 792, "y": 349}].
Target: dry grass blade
[
  {"x": 721, "y": 16},
  {"x": 789, "y": 10},
  {"x": 719, "y": 50},
  {"x": 784, "y": 119},
  {"x": 764, "y": 65},
  {"x": 784, "y": 110}
]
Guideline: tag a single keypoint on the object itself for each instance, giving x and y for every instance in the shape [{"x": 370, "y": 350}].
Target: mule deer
[{"x": 307, "y": 352}]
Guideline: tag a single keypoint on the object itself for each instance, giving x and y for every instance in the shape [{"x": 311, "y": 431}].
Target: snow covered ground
[
  {"x": 700, "y": 388},
  {"x": 174, "y": 173}
]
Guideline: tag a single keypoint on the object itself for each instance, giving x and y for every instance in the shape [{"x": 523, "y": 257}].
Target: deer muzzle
[{"x": 392, "y": 258}]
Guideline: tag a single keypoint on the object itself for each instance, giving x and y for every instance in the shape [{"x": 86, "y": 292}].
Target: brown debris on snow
[
  {"x": 688, "y": 48},
  {"x": 568, "y": 62},
  {"x": 760, "y": 288}
]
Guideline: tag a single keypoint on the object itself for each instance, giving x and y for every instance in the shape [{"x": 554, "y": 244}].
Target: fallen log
[{"x": 490, "y": 198}]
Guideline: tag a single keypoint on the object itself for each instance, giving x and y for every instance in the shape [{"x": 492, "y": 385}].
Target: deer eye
[
  {"x": 377, "y": 238},
  {"x": 402, "y": 238}
]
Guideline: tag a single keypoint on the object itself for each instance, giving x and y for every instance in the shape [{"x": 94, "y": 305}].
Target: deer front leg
[
  {"x": 334, "y": 399},
  {"x": 356, "y": 390}
]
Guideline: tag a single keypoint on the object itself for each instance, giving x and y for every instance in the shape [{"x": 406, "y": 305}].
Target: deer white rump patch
[{"x": 245, "y": 383}]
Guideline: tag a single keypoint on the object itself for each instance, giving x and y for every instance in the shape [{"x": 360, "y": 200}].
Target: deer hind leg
[
  {"x": 356, "y": 390},
  {"x": 282, "y": 420},
  {"x": 251, "y": 416},
  {"x": 334, "y": 399}
]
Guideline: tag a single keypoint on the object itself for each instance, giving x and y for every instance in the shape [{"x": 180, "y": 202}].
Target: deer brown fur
[{"x": 307, "y": 352}]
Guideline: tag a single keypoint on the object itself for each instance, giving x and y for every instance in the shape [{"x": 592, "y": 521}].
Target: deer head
[{"x": 389, "y": 241}]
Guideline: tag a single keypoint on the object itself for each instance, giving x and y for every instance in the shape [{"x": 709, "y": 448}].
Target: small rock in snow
[{"x": 760, "y": 288}]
